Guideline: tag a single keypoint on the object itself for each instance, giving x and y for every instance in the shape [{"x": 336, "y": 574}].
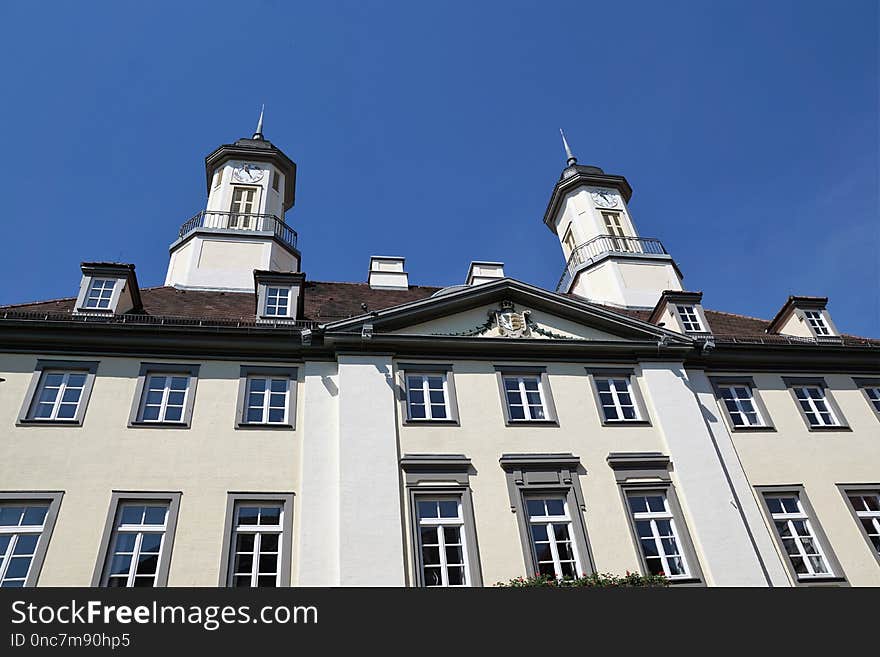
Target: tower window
[
  {"x": 244, "y": 201},
  {"x": 275, "y": 180},
  {"x": 218, "y": 177}
]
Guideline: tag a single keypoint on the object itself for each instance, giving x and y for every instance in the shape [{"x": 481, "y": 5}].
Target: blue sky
[{"x": 748, "y": 131}]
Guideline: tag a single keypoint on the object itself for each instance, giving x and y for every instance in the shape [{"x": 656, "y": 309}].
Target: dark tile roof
[{"x": 326, "y": 302}]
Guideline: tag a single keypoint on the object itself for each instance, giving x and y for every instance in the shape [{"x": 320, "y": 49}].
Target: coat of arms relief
[{"x": 510, "y": 323}]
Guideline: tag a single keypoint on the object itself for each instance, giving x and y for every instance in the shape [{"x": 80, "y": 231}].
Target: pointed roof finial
[
  {"x": 259, "y": 133},
  {"x": 572, "y": 160}
]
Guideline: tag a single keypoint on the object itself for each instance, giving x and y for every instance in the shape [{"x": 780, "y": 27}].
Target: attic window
[
  {"x": 817, "y": 322},
  {"x": 277, "y": 302},
  {"x": 690, "y": 320},
  {"x": 100, "y": 293}
]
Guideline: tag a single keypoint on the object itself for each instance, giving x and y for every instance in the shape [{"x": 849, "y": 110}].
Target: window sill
[
  {"x": 841, "y": 427},
  {"x": 736, "y": 429},
  {"x": 528, "y": 423},
  {"x": 158, "y": 425},
  {"x": 822, "y": 581},
  {"x": 32, "y": 422},
  {"x": 450, "y": 421},
  {"x": 686, "y": 581},
  {"x": 624, "y": 423},
  {"x": 263, "y": 426}
]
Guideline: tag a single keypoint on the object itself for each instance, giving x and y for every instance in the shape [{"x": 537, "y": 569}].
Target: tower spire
[
  {"x": 259, "y": 133},
  {"x": 572, "y": 160}
]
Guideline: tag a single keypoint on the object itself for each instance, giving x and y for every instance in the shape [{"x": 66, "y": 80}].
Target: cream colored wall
[
  {"x": 483, "y": 437},
  {"x": 475, "y": 317},
  {"x": 794, "y": 325},
  {"x": 819, "y": 460},
  {"x": 204, "y": 462}
]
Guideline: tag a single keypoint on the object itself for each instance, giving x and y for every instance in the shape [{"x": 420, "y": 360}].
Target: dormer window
[
  {"x": 279, "y": 295},
  {"x": 108, "y": 288},
  {"x": 277, "y": 302},
  {"x": 100, "y": 293},
  {"x": 817, "y": 322},
  {"x": 690, "y": 320}
]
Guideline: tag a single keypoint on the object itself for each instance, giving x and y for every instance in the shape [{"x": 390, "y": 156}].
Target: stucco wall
[{"x": 204, "y": 462}]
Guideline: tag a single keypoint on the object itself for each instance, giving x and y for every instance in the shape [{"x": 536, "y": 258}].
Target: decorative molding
[{"x": 510, "y": 324}]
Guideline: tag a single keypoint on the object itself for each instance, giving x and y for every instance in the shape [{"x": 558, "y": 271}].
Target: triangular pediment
[{"x": 506, "y": 310}]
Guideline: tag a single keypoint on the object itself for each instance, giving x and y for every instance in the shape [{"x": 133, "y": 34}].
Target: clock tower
[
  {"x": 250, "y": 185},
  {"x": 607, "y": 261}
]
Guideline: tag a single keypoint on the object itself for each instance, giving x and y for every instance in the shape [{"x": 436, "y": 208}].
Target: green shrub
[{"x": 596, "y": 580}]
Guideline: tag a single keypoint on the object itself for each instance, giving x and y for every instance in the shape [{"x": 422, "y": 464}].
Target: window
[
  {"x": 165, "y": 395},
  {"x": 815, "y": 403},
  {"x": 275, "y": 180},
  {"x": 441, "y": 542},
  {"x": 871, "y": 389},
  {"x": 266, "y": 397},
  {"x": 277, "y": 302},
  {"x": 569, "y": 242},
  {"x": 741, "y": 403},
  {"x": 25, "y": 528},
  {"x": 243, "y": 209},
  {"x": 656, "y": 534},
  {"x": 267, "y": 400},
  {"x": 614, "y": 227},
  {"x": 659, "y": 532},
  {"x": 865, "y": 505},
  {"x": 545, "y": 495},
  {"x": 58, "y": 393},
  {"x": 551, "y": 535},
  {"x": 617, "y": 396},
  {"x": 616, "y": 399},
  {"x": 218, "y": 177},
  {"x": 525, "y": 399},
  {"x": 426, "y": 396},
  {"x": 136, "y": 547},
  {"x": 690, "y": 320},
  {"x": 257, "y": 540},
  {"x": 442, "y": 520},
  {"x": 799, "y": 541},
  {"x": 817, "y": 322},
  {"x": 100, "y": 293}
]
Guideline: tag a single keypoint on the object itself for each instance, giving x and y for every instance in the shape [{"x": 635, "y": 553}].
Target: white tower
[
  {"x": 607, "y": 260},
  {"x": 250, "y": 187}
]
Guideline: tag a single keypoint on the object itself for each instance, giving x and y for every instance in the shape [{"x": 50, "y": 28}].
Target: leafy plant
[{"x": 596, "y": 580}]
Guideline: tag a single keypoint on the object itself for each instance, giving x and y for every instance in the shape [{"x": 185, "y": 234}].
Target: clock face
[
  {"x": 605, "y": 198},
  {"x": 247, "y": 173}
]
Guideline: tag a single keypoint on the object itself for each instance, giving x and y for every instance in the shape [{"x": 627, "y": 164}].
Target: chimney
[
  {"x": 387, "y": 273},
  {"x": 484, "y": 272}
]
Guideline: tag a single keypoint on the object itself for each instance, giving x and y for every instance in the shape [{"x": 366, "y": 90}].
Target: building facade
[{"x": 242, "y": 425}]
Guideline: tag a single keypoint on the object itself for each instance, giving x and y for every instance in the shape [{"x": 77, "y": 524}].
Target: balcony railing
[
  {"x": 603, "y": 244},
  {"x": 246, "y": 222}
]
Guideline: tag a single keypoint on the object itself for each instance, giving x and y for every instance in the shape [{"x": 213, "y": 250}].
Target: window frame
[
  {"x": 816, "y": 382},
  {"x": 860, "y": 489},
  {"x": 628, "y": 373},
  {"x": 149, "y": 369},
  {"x": 246, "y": 372},
  {"x": 697, "y": 312},
  {"x": 530, "y": 475},
  {"x": 86, "y": 287},
  {"x": 723, "y": 381},
  {"x": 838, "y": 577},
  {"x": 427, "y": 369},
  {"x": 434, "y": 476},
  {"x": 117, "y": 499},
  {"x": 863, "y": 384},
  {"x": 25, "y": 415},
  {"x": 540, "y": 372},
  {"x": 649, "y": 472},
  {"x": 37, "y": 497},
  {"x": 285, "y": 541}
]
